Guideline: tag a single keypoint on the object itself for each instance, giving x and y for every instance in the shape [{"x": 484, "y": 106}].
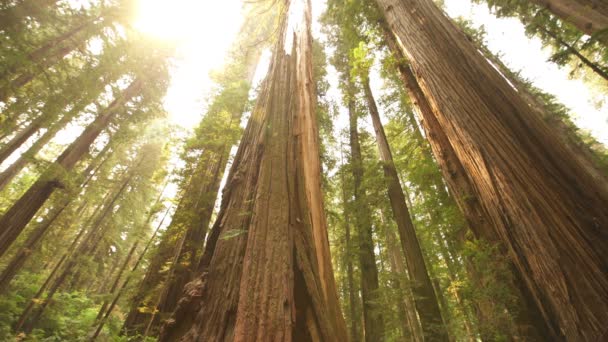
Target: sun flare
[{"x": 202, "y": 32}]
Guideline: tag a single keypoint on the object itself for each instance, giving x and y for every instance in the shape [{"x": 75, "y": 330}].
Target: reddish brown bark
[
  {"x": 544, "y": 205},
  {"x": 17, "y": 217},
  {"x": 265, "y": 272}
]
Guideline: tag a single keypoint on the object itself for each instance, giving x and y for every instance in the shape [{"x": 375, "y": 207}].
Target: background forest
[{"x": 349, "y": 170}]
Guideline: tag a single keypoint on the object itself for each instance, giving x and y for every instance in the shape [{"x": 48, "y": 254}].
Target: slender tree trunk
[
  {"x": 28, "y": 309},
  {"x": 32, "y": 241},
  {"x": 21, "y": 137},
  {"x": 166, "y": 286},
  {"x": 17, "y": 217},
  {"x": 589, "y": 16},
  {"x": 397, "y": 264},
  {"x": 266, "y": 271},
  {"x": 86, "y": 247},
  {"x": 599, "y": 70},
  {"x": 117, "y": 278},
  {"x": 41, "y": 230},
  {"x": 120, "y": 291},
  {"x": 45, "y": 56},
  {"x": 13, "y": 170},
  {"x": 425, "y": 299},
  {"x": 355, "y": 331},
  {"x": 55, "y": 105},
  {"x": 543, "y": 204},
  {"x": 372, "y": 313}
]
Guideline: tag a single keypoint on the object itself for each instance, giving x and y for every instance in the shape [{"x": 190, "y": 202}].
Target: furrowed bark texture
[
  {"x": 544, "y": 206},
  {"x": 372, "y": 313},
  {"x": 425, "y": 299},
  {"x": 589, "y": 16},
  {"x": 263, "y": 266},
  {"x": 17, "y": 217}
]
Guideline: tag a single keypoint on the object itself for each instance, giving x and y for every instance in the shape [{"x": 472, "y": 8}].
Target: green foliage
[{"x": 563, "y": 39}]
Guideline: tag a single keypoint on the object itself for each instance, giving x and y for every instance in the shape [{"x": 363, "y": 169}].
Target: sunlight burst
[{"x": 203, "y": 32}]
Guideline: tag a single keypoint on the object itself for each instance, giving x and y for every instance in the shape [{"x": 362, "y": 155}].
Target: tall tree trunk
[
  {"x": 117, "y": 278},
  {"x": 23, "y": 254},
  {"x": 398, "y": 267},
  {"x": 372, "y": 312},
  {"x": 55, "y": 104},
  {"x": 464, "y": 194},
  {"x": 425, "y": 299},
  {"x": 585, "y": 155},
  {"x": 543, "y": 204},
  {"x": 13, "y": 170},
  {"x": 355, "y": 331},
  {"x": 589, "y": 16},
  {"x": 124, "y": 285},
  {"x": 19, "y": 138},
  {"x": 17, "y": 217},
  {"x": 266, "y": 270}
]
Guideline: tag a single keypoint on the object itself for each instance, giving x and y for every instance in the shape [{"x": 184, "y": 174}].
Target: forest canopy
[{"x": 303, "y": 170}]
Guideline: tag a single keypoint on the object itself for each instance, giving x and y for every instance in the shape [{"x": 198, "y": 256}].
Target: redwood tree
[
  {"x": 266, "y": 271},
  {"x": 544, "y": 205}
]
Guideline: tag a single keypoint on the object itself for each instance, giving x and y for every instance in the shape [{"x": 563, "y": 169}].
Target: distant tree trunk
[
  {"x": 544, "y": 205},
  {"x": 13, "y": 170},
  {"x": 28, "y": 309},
  {"x": 23, "y": 254},
  {"x": 399, "y": 271},
  {"x": 117, "y": 278},
  {"x": 21, "y": 137},
  {"x": 120, "y": 291},
  {"x": 372, "y": 312},
  {"x": 355, "y": 331},
  {"x": 17, "y": 217},
  {"x": 599, "y": 70},
  {"x": 54, "y": 107},
  {"x": 86, "y": 247},
  {"x": 589, "y": 16},
  {"x": 54, "y": 50},
  {"x": 266, "y": 271},
  {"x": 424, "y": 296}
]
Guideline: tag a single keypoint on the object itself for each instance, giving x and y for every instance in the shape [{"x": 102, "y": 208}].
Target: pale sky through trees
[{"x": 204, "y": 31}]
